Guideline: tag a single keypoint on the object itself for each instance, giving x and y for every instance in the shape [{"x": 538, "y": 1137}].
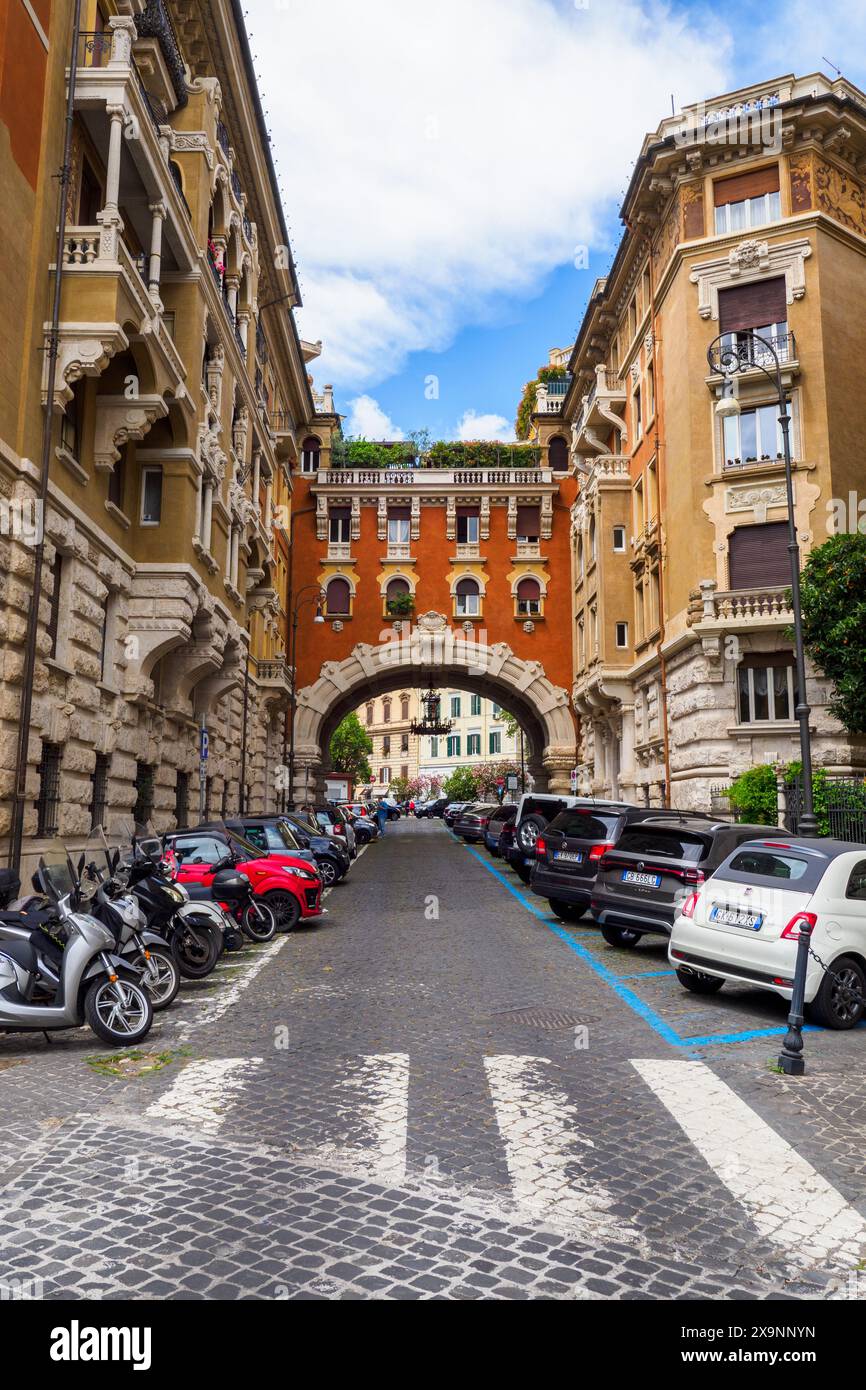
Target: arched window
[
  {"x": 386, "y": 711},
  {"x": 468, "y": 598},
  {"x": 592, "y": 544},
  {"x": 404, "y": 706},
  {"x": 557, "y": 454},
  {"x": 396, "y": 591},
  {"x": 310, "y": 454},
  {"x": 528, "y": 597},
  {"x": 370, "y": 713},
  {"x": 339, "y": 596}
]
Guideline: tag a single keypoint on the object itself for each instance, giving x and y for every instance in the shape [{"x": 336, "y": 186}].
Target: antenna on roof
[{"x": 838, "y": 71}]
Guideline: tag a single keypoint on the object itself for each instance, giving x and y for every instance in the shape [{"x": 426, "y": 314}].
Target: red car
[{"x": 290, "y": 886}]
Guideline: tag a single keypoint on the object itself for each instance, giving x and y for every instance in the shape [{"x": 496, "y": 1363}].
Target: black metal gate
[{"x": 843, "y": 818}]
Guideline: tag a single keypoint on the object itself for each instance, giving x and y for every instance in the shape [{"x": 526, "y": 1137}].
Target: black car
[
  {"x": 502, "y": 816},
  {"x": 309, "y": 836},
  {"x": 568, "y": 851},
  {"x": 655, "y": 864},
  {"x": 473, "y": 820},
  {"x": 452, "y": 811},
  {"x": 534, "y": 813},
  {"x": 429, "y": 809},
  {"x": 276, "y": 834},
  {"x": 366, "y": 828}
]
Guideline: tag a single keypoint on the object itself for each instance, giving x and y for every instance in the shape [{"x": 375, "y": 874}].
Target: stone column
[
  {"x": 157, "y": 211},
  {"x": 117, "y": 115},
  {"x": 235, "y": 550},
  {"x": 199, "y": 503},
  {"x": 269, "y": 503},
  {"x": 207, "y": 520},
  {"x": 257, "y": 477}
]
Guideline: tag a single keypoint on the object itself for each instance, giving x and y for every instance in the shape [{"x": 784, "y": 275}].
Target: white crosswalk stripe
[
  {"x": 372, "y": 1101},
  {"x": 202, "y": 1093},
  {"x": 549, "y": 1159},
  {"x": 788, "y": 1201}
]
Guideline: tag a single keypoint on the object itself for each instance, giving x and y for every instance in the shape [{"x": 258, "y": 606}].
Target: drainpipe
[
  {"x": 29, "y": 669},
  {"x": 659, "y": 397}
]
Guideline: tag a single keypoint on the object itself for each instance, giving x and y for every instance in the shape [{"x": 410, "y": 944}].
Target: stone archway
[{"x": 431, "y": 649}]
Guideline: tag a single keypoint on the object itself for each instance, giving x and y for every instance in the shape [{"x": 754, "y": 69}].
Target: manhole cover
[{"x": 548, "y": 1020}]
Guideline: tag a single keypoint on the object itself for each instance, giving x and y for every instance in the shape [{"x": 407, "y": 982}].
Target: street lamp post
[
  {"x": 317, "y": 596},
  {"x": 730, "y": 355}
]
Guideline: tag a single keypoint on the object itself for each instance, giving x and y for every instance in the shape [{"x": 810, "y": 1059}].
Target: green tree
[
  {"x": 350, "y": 745},
  {"x": 510, "y": 724},
  {"x": 833, "y": 587},
  {"x": 460, "y": 786},
  {"x": 399, "y": 788}
]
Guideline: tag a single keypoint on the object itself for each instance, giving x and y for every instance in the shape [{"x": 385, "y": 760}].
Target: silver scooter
[{"x": 71, "y": 973}]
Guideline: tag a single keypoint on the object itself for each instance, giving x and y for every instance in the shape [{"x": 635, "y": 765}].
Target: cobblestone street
[{"x": 438, "y": 1090}]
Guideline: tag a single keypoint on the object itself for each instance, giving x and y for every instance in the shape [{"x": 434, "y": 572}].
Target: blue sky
[{"x": 442, "y": 164}]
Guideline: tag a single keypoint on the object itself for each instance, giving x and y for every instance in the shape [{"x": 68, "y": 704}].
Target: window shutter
[
  {"x": 751, "y": 306},
  {"x": 340, "y": 513},
  {"x": 528, "y": 589},
  {"x": 339, "y": 594},
  {"x": 751, "y": 185},
  {"x": 466, "y": 587},
  {"x": 467, "y": 511},
  {"x": 399, "y": 513},
  {"x": 528, "y": 521},
  {"x": 758, "y": 556},
  {"x": 557, "y": 454},
  {"x": 760, "y": 660}
]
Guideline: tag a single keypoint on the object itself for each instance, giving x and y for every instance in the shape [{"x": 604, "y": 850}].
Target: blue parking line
[
  {"x": 628, "y": 996},
  {"x": 747, "y": 1035}
]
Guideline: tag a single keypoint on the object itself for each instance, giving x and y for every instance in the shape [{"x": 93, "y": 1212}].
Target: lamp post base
[{"x": 792, "y": 1066}]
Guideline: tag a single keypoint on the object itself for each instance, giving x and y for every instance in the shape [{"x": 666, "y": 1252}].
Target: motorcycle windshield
[
  {"x": 240, "y": 844},
  {"x": 54, "y": 877}
]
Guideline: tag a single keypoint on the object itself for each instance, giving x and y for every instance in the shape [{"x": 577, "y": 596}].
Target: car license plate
[
  {"x": 529, "y": 859},
  {"x": 736, "y": 917},
  {"x": 641, "y": 880},
  {"x": 568, "y": 856}
]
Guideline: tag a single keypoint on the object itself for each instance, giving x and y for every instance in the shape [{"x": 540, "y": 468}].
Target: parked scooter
[
  {"x": 195, "y": 931},
  {"x": 234, "y": 892},
  {"x": 71, "y": 973},
  {"x": 114, "y": 903}
]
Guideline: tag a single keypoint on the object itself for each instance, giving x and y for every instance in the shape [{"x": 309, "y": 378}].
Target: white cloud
[
  {"x": 367, "y": 420},
  {"x": 473, "y": 426},
  {"x": 436, "y": 157}
]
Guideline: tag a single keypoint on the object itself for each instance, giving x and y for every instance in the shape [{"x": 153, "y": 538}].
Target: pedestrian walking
[{"x": 381, "y": 816}]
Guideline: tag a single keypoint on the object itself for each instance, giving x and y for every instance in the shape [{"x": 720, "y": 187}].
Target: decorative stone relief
[
  {"x": 484, "y": 525},
  {"x": 451, "y": 518},
  {"x": 756, "y": 499}
]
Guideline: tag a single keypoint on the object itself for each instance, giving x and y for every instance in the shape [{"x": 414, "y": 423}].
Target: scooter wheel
[
  {"x": 162, "y": 979},
  {"x": 258, "y": 921},
  {"x": 119, "y": 1012},
  {"x": 196, "y": 950}
]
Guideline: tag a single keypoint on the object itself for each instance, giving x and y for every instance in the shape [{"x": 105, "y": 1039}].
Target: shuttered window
[
  {"x": 753, "y": 306},
  {"x": 528, "y": 596},
  {"x": 741, "y": 186},
  {"x": 528, "y": 523},
  {"x": 339, "y": 596},
  {"x": 758, "y": 556}
]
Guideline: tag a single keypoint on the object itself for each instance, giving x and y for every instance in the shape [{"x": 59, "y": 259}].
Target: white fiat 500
[{"x": 743, "y": 924}]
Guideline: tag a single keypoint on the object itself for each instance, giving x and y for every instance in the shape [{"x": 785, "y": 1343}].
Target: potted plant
[{"x": 401, "y": 605}]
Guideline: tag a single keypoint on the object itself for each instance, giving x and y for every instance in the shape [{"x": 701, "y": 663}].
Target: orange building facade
[{"x": 459, "y": 576}]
